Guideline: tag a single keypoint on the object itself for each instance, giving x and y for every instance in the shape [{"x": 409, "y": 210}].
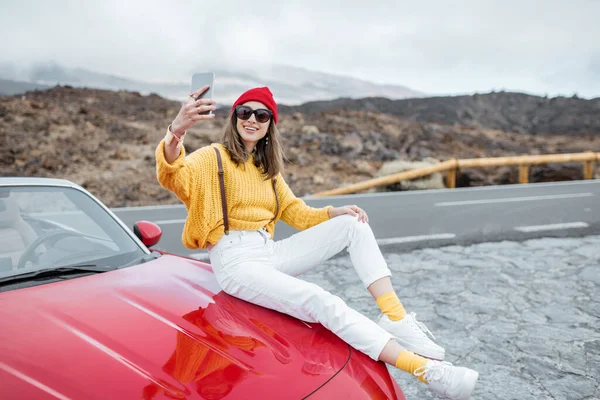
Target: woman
[{"x": 249, "y": 265}]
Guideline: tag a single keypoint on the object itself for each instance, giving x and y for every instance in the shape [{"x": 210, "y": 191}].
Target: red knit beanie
[{"x": 260, "y": 94}]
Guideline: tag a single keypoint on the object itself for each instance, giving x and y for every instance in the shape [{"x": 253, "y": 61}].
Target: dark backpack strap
[
  {"x": 276, "y": 199},
  {"x": 222, "y": 185}
]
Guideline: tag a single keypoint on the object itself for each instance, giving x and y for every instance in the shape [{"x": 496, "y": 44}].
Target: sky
[{"x": 545, "y": 47}]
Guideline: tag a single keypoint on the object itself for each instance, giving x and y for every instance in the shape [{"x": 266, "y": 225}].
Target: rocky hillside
[
  {"x": 105, "y": 140},
  {"x": 511, "y": 112}
]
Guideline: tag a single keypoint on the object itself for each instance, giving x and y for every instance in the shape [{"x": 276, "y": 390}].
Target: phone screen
[{"x": 201, "y": 79}]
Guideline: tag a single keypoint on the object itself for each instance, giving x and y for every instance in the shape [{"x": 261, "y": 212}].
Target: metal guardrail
[{"x": 451, "y": 167}]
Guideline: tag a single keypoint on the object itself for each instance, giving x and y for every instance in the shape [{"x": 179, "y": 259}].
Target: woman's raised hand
[{"x": 191, "y": 112}]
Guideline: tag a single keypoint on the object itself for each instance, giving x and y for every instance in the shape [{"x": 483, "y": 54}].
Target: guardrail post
[
  {"x": 451, "y": 178},
  {"x": 588, "y": 169},
  {"x": 524, "y": 173}
]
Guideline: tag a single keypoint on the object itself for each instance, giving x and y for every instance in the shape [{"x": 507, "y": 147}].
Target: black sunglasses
[{"x": 262, "y": 115}]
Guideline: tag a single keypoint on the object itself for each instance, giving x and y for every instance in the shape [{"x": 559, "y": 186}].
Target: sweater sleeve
[
  {"x": 180, "y": 176},
  {"x": 295, "y": 212}
]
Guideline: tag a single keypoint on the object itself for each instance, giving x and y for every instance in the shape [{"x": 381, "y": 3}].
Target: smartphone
[{"x": 201, "y": 79}]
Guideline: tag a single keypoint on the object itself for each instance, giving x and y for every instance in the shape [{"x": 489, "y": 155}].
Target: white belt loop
[{"x": 263, "y": 233}]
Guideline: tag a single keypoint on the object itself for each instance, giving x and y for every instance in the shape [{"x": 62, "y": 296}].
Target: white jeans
[{"x": 251, "y": 266}]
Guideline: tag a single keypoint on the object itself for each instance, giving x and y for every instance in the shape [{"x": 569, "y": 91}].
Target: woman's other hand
[
  {"x": 350, "y": 210},
  {"x": 191, "y": 112}
]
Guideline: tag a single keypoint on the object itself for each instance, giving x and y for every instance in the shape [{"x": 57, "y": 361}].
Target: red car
[{"x": 88, "y": 311}]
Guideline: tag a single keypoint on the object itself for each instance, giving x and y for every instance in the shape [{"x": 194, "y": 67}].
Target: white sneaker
[
  {"x": 412, "y": 335},
  {"x": 455, "y": 383}
]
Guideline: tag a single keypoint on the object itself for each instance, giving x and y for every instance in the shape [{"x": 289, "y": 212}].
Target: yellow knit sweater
[{"x": 250, "y": 198}]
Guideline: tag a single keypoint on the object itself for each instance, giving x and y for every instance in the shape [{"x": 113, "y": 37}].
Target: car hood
[{"x": 162, "y": 329}]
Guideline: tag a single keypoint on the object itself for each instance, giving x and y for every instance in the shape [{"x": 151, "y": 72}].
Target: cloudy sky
[{"x": 437, "y": 46}]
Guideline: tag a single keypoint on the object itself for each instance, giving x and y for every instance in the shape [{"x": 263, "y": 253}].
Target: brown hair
[{"x": 269, "y": 156}]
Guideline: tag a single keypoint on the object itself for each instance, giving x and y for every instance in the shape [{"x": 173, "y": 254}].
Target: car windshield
[{"x": 53, "y": 227}]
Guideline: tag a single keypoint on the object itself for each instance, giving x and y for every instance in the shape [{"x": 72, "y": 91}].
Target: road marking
[
  {"x": 170, "y": 221},
  {"x": 551, "y": 227},
  {"x": 408, "y": 239},
  {"x": 513, "y": 199}
]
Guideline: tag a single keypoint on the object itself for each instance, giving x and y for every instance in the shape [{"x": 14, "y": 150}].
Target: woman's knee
[
  {"x": 347, "y": 219},
  {"x": 353, "y": 222},
  {"x": 348, "y": 224},
  {"x": 355, "y": 227}
]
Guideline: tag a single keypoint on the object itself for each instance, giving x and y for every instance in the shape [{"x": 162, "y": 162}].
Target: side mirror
[{"x": 148, "y": 232}]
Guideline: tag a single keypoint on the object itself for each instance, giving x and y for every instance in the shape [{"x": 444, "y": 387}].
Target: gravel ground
[{"x": 525, "y": 315}]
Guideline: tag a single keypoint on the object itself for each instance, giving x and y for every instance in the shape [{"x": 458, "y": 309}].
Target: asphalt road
[{"x": 409, "y": 220}]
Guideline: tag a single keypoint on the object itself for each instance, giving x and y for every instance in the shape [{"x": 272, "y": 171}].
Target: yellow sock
[
  {"x": 390, "y": 305},
  {"x": 409, "y": 362}
]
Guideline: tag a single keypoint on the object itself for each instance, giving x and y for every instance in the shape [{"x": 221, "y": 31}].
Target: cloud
[{"x": 432, "y": 46}]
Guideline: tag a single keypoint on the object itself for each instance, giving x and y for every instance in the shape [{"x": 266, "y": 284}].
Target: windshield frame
[{"x": 12, "y": 182}]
